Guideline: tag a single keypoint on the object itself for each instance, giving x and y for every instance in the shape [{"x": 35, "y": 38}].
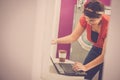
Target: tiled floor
[{"x": 77, "y": 52}]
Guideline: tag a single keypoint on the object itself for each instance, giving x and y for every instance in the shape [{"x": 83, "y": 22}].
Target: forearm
[
  {"x": 72, "y": 37},
  {"x": 95, "y": 62},
  {"x": 79, "y": 66},
  {"x": 65, "y": 40},
  {"x": 98, "y": 60}
]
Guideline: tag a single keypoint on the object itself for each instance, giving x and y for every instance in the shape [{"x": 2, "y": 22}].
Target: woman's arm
[
  {"x": 98, "y": 60},
  {"x": 72, "y": 37},
  {"x": 79, "y": 66}
]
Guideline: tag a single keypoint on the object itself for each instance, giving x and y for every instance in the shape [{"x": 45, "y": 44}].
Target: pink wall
[
  {"x": 66, "y": 22},
  {"x": 106, "y": 2}
]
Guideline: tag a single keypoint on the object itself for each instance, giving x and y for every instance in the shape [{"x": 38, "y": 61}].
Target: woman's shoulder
[
  {"x": 106, "y": 22},
  {"x": 82, "y": 16},
  {"x": 106, "y": 17},
  {"x": 82, "y": 21}
]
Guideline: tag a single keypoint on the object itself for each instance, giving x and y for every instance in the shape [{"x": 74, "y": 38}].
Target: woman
[{"x": 96, "y": 24}]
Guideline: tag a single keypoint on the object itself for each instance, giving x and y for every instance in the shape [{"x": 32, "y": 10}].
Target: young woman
[{"x": 96, "y": 24}]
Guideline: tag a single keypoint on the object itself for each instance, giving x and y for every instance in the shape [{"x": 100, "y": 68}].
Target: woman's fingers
[
  {"x": 78, "y": 66},
  {"x": 54, "y": 41}
]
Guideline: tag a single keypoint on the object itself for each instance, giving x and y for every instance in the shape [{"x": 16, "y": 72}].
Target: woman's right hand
[
  {"x": 54, "y": 41},
  {"x": 79, "y": 66}
]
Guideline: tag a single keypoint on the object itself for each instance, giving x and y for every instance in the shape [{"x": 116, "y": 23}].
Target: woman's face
[{"x": 93, "y": 21}]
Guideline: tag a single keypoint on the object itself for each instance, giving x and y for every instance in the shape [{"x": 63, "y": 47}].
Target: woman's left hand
[{"x": 78, "y": 66}]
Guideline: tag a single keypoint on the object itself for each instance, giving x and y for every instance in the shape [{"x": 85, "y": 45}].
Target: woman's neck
[{"x": 96, "y": 28}]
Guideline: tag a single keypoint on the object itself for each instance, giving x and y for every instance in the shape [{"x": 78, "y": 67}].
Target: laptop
[{"x": 66, "y": 69}]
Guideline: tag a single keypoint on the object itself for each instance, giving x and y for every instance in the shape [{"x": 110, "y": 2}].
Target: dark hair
[{"x": 92, "y": 8}]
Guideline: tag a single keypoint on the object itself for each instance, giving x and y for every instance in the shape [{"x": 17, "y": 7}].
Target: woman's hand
[
  {"x": 79, "y": 66},
  {"x": 54, "y": 41}
]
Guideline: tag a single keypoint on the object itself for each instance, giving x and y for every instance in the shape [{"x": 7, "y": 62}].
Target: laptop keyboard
[{"x": 67, "y": 67}]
